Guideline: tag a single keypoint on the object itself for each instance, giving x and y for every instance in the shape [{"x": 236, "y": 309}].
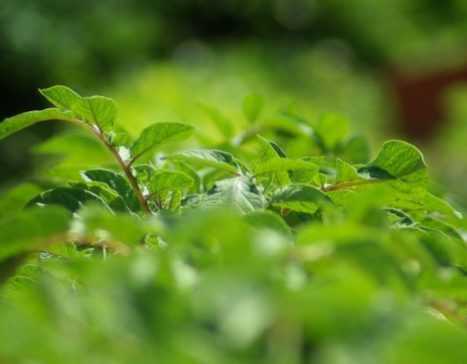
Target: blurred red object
[{"x": 419, "y": 98}]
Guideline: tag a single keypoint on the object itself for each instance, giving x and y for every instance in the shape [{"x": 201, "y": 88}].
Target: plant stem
[{"x": 124, "y": 166}]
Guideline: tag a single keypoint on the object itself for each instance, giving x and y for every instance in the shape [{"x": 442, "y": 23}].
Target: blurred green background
[{"x": 393, "y": 67}]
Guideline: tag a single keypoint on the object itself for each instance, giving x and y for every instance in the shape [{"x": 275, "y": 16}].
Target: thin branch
[{"x": 124, "y": 166}]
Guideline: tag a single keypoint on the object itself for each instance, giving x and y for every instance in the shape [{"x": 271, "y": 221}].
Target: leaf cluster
[{"x": 235, "y": 252}]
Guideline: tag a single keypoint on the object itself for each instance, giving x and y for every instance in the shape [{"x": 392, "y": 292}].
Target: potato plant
[{"x": 184, "y": 251}]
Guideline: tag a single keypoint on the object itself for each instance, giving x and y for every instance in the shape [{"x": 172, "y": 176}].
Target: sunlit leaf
[
  {"x": 208, "y": 158},
  {"x": 102, "y": 112},
  {"x": 64, "y": 98},
  {"x": 18, "y": 122},
  {"x": 158, "y": 134},
  {"x": 236, "y": 192},
  {"x": 398, "y": 159}
]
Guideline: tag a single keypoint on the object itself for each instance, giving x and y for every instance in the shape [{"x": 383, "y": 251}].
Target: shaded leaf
[
  {"x": 101, "y": 189},
  {"x": 208, "y": 158},
  {"x": 299, "y": 198},
  {"x": 116, "y": 182},
  {"x": 70, "y": 198}
]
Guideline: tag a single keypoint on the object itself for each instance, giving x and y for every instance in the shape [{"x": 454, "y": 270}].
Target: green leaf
[
  {"x": 167, "y": 180},
  {"x": 209, "y": 158},
  {"x": 158, "y": 134},
  {"x": 110, "y": 196},
  {"x": 70, "y": 198},
  {"x": 398, "y": 159},
  {"x": 300, "y": 198},
  {"x": 165, "y": 187},
  {"x": 98, "y": 110},
  {"x": 284, "y": 165},
  {"x": 270, "y": 161},
  {"x": 442, "y": 207},
  {"x": 332, "y": 130},
  {"x": 410, "y": 198},
  {"x": 431, "y": 223},
  {"x": 268, "y": 220},
  {"x": 120, "y": 137},
  {"x": 236, "y": 192},
  {"x": 324, "y": 167},
  {"x": 30, "y": 228},
  {"x": 346, "y": 172},
  {"x": 143, "y": 173},
  {"x": 174, "y": 200},
  {"x": 116, "y": 182},
  {"x": 101, "y": 111},
  {"x": 18, "y": 122},
  {"x": 64, "y": 98},
  {"x": 268, "y": 150},
  {"x": 187, "y": 169},
  {"x": 356, "y": 150},
  {"x": 421, "y": 204},
  {"x": 252, "y": 107}
]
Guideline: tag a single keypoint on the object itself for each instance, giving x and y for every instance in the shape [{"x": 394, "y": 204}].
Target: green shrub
[{"x": 173, "y": 251}]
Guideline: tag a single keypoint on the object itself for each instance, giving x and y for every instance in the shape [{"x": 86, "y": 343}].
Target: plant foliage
[{"x": 230, "y": 252}]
